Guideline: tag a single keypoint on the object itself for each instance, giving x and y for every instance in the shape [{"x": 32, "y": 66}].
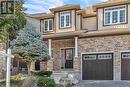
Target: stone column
[
  {"x": 32, "y": 68},
  {"x": 43, "y": 66},
  {"x": 76, "y": 47},
  {"x": 117, "y": 66},
  {"x": 117, "y": 63},
  {"x": 49, "y": 41},
  {"x": 76, "y": 59}
]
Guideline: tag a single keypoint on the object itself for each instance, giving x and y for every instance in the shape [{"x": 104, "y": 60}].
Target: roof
[
  {"x": 110, "y": 3},
  {"x": 65, "y": 7},
  {"x": 41, "y": 15},
  {"x": 63, "y": 34},
  {"x": 84, "y": 33}
]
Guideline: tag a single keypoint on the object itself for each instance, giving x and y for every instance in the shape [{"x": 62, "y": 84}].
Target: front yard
[{"x": 36, "y": 79}]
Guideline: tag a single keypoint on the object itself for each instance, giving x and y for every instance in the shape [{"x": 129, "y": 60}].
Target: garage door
[
  {"x": 125, "y": 66},
  {"x": 97, "y": 66}
]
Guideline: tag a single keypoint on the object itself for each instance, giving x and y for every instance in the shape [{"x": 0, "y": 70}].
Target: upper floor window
[
  {"x": 48, "y": 25},
  {"x": 65, "y": 19},
  {"x": 115, "y": 15}
]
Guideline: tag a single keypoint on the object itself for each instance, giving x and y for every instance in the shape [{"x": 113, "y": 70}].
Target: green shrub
[
  {"x": 42, "y": 73},
  {"x": 13, "y": 83},
  {"x": 45, "y": 82}
]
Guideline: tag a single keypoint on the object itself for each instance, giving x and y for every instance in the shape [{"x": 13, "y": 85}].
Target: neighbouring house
[{"x": 93, "y": 42}]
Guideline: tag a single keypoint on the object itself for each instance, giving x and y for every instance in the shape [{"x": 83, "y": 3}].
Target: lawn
[{"x": 36, "y": 79}]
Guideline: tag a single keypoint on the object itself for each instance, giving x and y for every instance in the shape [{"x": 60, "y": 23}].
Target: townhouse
[{"x": 93, "y": 42}]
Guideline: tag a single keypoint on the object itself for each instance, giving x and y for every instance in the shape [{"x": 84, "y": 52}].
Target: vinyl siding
[{"x": 89, "y": 23}]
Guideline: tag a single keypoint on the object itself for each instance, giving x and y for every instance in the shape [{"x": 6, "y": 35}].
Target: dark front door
[
  {"x": 69, "y": 58},
  {"x": 125, "y": 66},
  {"x": 97, "y": 66},
  {"x": 37, "y": 65}
]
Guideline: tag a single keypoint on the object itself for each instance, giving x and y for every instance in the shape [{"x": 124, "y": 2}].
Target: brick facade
[{"x": 106, "y": 44}]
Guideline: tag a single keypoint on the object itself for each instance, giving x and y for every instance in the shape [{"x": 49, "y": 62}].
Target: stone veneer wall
[{"x": 115, "y": 43}]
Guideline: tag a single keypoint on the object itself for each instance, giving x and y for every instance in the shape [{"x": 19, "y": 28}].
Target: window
[
  {"x": 7, "y": 7},
  {"x": 89, "y": 57},
  {"x": 115, "y": 15},
  {"x": 48, "y": 25},
  {"x": 65, "y": 19},
  {"x": 125, "y": 55},
  {"x": 104, "y": 56}
]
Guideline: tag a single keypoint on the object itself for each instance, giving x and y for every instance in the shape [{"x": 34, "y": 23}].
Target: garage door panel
[
  {"x": 125, "y": 66},
  {"x": 97, "y": 69}
]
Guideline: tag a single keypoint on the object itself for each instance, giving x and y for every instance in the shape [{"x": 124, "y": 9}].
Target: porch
[{"x": 64, "y": 54}]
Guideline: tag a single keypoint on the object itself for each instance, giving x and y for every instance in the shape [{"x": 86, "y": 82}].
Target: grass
[{"x": 17, "y": 80}]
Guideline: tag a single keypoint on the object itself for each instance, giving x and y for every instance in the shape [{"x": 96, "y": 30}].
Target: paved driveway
[{"x": 103, "y": 84}]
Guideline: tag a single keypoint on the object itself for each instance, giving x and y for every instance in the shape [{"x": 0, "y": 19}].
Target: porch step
[
  {"x": 58, "y": 75},
  {"x": 65, "y": 71}
]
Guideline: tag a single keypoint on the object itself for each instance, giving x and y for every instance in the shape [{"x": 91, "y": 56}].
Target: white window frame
[
  {"x": 90, "y": 57},
  {"x": 105, "y": 56},
  {"x": 48, "y": 25},
  {"x": 127, "y": 55},
  {"x": 64, "y": 15},
  {"x": 118, "y": 10}
]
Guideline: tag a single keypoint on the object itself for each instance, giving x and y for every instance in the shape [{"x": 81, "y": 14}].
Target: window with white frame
[
  {"x": 90, "y": 57},
  {"x": 65, "y": 19},
  {"x": 48, "y": 25},
  {"x": 115, "y": 15},
  {"x": 104, "y": 56},
  {"x": 125, "y": 55}
]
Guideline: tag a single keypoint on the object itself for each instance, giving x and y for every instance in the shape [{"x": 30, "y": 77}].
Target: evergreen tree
[{"x": 29, "y": 46}]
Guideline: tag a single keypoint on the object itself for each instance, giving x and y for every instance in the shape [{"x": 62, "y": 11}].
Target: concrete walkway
[{"x": 103, "y": 84}]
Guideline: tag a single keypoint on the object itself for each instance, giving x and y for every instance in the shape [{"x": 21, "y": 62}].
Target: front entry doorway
[
  {"x": 67, "y": 55},
  {"x": 37, "y": 65}
]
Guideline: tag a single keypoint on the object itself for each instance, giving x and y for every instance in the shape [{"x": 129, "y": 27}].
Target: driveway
[{"x": 103, "y": 84}]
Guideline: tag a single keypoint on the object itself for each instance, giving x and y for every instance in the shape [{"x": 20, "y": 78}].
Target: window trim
[
  {"x": 48, "y": 25},
  {"x": 111, "y": 24},
  {"x": 124, "y": 53},
  {"x": 65, "y": 27}
]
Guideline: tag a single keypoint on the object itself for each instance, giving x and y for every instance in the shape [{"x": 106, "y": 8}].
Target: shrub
[
  {"x": 30, "y": 81},
  {"x": 42, "y": 73},
  {"x": 45, "y": 82},
  {"x": 13, "y": 83}
]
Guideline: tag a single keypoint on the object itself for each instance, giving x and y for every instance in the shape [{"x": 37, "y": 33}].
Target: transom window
[
  {"x": 125, "y": 55},
  {"x": 115, "y": 15},
  {"x": 90, "y": 57},
  {"x": 48, "y": 25},
  {"x": 65, "y": 19},
  {"x": 104, "y": 56}
]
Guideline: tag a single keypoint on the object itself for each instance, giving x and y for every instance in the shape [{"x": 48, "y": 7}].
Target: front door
[
  {"x": 37, "y": 65},
  {"x": 69, "y": 58},
  {"x": 67, "y": 55},
  {"x": 125, "y": 66}
]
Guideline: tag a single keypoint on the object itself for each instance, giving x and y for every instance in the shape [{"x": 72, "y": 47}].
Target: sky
[{"x": 42, "y": 6}]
